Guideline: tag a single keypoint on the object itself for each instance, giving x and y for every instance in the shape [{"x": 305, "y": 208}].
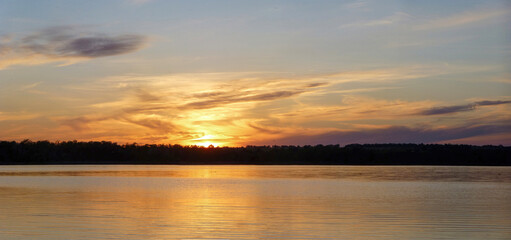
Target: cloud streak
[
  {"x": 460, "y": 108},
  {"x": 389, "y": 20},
  {"x": 464, "y": 18},
  {"x": 221, "y": 98},
  {"x": 394, "y": 134}
]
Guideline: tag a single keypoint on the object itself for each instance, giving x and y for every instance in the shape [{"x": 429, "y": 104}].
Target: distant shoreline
[
  {"x": 245, "y": 164},
  {"x": 109, "y": 153}
]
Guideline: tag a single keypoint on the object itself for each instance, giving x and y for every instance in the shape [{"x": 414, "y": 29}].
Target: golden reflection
[
  {"x": 251, "y": 172},
  {"x": 209, "y": 207}
]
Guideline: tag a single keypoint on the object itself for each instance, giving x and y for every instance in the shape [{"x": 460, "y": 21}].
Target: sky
[{"x": 236, "y": 73}]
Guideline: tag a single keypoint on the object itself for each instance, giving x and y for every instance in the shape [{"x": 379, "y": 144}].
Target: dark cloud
[
  {"x": 233, "y": 93},
  {"x": 210, "y": 94},
  {"x": 71, "y": 42},
  {"x": 489, "y": 103},
  {"x": 460, "y": 108},
  {"x": 270, "y": 96},
  {"x": 207, "y": 104},
  {"x": 100, "y": 46},
  {"x": 239, "y": 94},
  {"x": 448, "y": 109},
  {"x": 397, "y": 134},
  {"x": 146, "y": 108},
  {"x": 319, "y": 84}
]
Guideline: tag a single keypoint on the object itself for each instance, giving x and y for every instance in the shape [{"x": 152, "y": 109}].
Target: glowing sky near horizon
[{"x": 256, "y": 72}]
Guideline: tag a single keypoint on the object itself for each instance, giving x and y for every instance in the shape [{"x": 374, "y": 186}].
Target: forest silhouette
[{"x": 74, "y": 152}]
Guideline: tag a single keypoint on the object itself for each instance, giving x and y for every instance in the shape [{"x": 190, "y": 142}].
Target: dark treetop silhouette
[{"x": 73, "y": 152}]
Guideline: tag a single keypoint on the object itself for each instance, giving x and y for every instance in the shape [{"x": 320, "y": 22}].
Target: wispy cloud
[
  {"x": 30, "y": 86},
  {"x": 427, "y": 42},
  {"x": 359, "y": 4},
  {"x": 162, "y": 126},
  {"x": 389, "y": 20},
  {"x": 266, "y": 130},
  {"x": 464, "y": 18},
  {"x": 138, "y": 2},
  {"x": 17, "y": 116},
  {"x": 80, "y": 123},
  {"x": 65, "y": 44}
]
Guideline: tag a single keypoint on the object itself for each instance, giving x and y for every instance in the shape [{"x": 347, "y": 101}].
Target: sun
[
  {"x": 205, "y": 141},
  {"x": 206, "y": 144}
]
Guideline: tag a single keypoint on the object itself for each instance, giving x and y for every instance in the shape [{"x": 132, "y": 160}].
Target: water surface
[{"x": 254, "y": 202}]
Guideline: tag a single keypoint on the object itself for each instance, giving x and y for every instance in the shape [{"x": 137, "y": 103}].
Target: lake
[{"x": 254, "y": 202}]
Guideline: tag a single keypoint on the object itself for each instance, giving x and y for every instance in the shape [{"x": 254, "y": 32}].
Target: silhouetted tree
[{"x": 74, "y": 152}]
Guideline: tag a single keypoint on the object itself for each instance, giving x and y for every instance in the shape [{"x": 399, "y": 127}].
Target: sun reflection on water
[{"x": 248, "y": 202}]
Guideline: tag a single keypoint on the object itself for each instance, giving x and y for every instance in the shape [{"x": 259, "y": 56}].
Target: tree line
[{"x": 104, "y": 152}]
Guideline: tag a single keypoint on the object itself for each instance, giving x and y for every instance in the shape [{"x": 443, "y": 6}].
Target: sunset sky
[{"x": 234, "y": 73}]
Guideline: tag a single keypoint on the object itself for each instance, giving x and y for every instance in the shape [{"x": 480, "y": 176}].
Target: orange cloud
[{"x": 236, "y": 108}]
